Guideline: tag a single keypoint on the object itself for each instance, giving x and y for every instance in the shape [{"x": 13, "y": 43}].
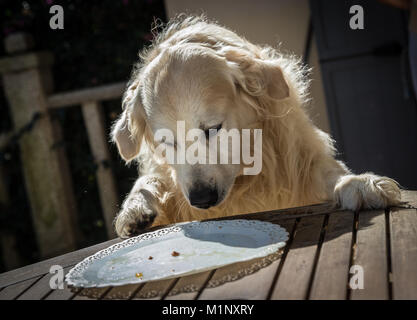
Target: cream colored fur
[{"x": 193, "y": 62}]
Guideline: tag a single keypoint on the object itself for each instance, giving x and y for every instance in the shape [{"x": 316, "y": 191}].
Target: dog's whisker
[
  {"x": 182, "y": 206},
  {"x": 179, "y": 206}
]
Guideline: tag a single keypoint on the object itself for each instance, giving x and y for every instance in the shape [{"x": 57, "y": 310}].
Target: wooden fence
[{"x": 28, "y": 86}]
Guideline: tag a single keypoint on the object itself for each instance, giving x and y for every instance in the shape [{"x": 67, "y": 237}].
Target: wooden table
[{"x": 323, "y": 246}]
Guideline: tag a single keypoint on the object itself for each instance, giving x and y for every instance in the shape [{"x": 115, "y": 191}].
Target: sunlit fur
[{"x": 298, "y": 165}]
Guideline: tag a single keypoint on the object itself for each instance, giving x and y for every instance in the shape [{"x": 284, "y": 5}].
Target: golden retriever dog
[{"x": 210, "y": 78}]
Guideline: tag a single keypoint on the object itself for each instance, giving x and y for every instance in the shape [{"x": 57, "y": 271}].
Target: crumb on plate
[{"x": 175, "y": 253}]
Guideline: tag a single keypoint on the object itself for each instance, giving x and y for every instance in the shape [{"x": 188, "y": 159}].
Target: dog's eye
[{"x": 213, "y": 129}]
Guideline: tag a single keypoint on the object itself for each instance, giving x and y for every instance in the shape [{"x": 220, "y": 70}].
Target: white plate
[{"x": 201, "y": 246}]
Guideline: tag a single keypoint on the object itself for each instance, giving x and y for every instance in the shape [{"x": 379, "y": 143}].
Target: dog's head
[{"x": 204, "y": 86}]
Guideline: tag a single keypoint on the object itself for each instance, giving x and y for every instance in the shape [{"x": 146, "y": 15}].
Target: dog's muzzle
[{"x": 203, "y": 197}]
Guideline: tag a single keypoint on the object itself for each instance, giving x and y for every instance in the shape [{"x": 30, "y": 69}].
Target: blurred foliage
[{"x": 98, "y": 45}]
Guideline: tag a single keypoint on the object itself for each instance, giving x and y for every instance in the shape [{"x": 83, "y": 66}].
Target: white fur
[{"x": 196, "y": 70}]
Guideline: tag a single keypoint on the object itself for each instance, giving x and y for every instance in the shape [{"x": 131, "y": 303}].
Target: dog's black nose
[{"x": 203, "y": 197}]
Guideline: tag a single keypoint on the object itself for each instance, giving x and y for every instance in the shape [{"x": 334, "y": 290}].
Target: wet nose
[{"x": 203, "y": 197}]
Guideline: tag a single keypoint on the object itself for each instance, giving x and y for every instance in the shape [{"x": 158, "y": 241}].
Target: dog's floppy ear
[
  {"x": 128, "y": 130},
  {"x": 257, "y": 76}
]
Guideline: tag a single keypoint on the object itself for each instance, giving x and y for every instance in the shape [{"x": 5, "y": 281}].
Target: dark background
[
  {"x": 98, "y": 45},
  {"x": 367, "y": 82}
]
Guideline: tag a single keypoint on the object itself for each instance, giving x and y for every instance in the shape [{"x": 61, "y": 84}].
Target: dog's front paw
[
  {"x": 366, "y": 191},
  {"x": 138, "y": 212}
]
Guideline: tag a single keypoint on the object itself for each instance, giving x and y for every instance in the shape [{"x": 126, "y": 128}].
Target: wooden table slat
[
  {"x": 15, "y": 290},
  {"x": 331, "y": 275},
  {"x": 38, "y": 290},
  {"x": 155, "y": 290},
  {"x": 41, "y": 289},
  {"x": 370, "y": 253},
  {"x": 403, "y": 233},
  {"x": 256, "y": 285},
  {"x": 40, "y": 268},
  {"x": 194, "y": 283},
  {"x": 295, "y": 275},
  {"x": 64, "y": 294},
  {"x": 125, "y": 292},
  {"x": 91, "y": 293}
]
